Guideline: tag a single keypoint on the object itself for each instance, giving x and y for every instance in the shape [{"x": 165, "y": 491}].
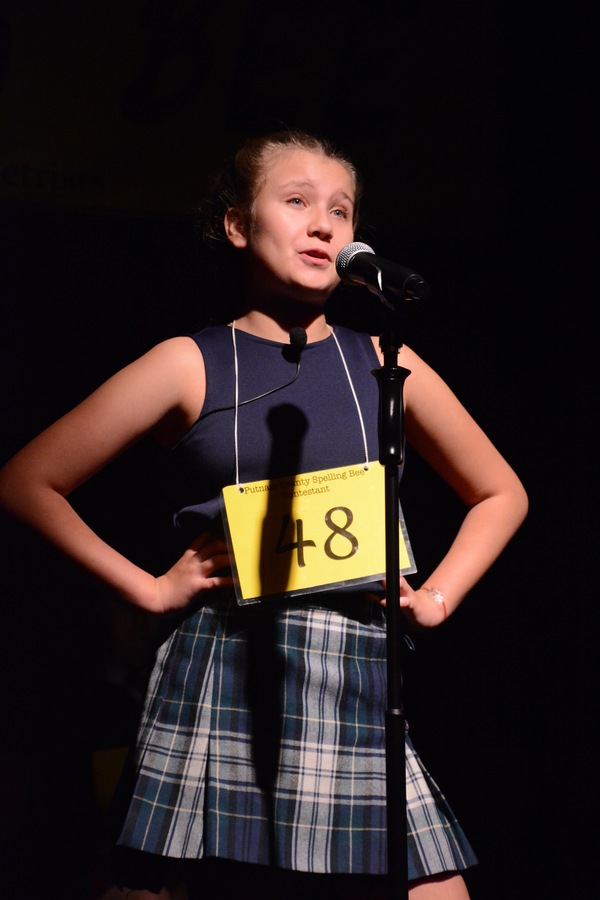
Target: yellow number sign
[{"x": 291, "y": 536}]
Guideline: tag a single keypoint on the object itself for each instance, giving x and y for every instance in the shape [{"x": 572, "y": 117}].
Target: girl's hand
[
  {"x": 419, "y": 607},
  {"x": 204, "y": 566}
]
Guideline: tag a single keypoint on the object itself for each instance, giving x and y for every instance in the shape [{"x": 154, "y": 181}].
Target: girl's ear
[{"x": 235, "y": 228}]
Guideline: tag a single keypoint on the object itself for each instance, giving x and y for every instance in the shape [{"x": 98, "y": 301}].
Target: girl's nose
[{"x": 320, "y": 225}]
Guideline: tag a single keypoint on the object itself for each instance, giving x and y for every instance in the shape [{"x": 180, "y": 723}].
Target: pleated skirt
[{"x": 262, "y": 740}]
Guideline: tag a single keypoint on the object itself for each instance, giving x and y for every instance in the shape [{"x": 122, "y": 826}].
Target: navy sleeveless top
[{"x": 309, "y": 424}]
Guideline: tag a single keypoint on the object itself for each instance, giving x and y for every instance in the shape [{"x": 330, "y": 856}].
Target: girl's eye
[
  {"x": 295, "y": 201},
  {"x": 340, "y": 213}
]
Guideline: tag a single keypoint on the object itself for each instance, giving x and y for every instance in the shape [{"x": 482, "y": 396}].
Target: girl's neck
[{"x": 278, "y": 328}]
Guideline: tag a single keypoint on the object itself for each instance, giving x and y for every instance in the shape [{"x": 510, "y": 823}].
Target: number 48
[{"x": 337, "y": 531}]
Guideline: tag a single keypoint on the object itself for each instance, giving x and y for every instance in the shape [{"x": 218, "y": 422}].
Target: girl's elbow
[{"x": 520, "y": 504}]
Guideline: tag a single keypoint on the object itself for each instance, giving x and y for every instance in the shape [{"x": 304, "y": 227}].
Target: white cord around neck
[
  {"x": 360, "y": 418},
  {"x": 235, "y": 408},
  {"x": 236, "y": 402}
]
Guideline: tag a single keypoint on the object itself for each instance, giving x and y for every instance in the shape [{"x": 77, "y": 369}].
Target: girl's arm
[
  {"x": 441, "y": 430},
  {"x": 161, "y": 392}
]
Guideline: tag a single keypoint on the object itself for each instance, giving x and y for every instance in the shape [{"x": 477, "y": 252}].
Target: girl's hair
[{"x": 239, "y": 183}]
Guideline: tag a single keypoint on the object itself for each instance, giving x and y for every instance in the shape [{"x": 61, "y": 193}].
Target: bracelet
[{"x": 438, "y": 597}]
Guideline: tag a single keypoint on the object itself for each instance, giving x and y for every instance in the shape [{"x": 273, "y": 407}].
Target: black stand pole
[{"x": 391, "y": 379}]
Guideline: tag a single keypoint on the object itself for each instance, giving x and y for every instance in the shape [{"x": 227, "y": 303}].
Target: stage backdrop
[
  {"x": 124, "y": 105},
  {"x": 127, "y": 105}
]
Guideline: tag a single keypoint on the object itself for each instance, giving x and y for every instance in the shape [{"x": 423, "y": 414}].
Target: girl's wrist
[{"x": 437, "y": 596}]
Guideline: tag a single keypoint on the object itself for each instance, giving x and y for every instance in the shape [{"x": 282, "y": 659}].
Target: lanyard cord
[
  {"x": 235, "y": 408},
  {"x": 360, "y": 418},
  {"x": 237, "y": 404}
]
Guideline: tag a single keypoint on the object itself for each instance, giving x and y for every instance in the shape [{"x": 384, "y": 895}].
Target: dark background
[{"x": 471, "y": 125}]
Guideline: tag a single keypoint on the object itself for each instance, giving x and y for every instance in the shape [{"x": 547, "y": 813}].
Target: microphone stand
[{"x": 391, "y": 379}]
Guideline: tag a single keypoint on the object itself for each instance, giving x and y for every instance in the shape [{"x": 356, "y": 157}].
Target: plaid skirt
[{"x": 262, "y": 740}]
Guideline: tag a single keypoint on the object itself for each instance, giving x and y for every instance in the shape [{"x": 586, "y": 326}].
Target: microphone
[
  {"x": 291, "y": 353},
  {"x": 298, "y": 338},
  {"x": 357, "y": 264}
]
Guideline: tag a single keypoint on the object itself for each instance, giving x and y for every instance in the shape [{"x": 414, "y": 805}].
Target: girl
[{"x": 260, "y": 759}]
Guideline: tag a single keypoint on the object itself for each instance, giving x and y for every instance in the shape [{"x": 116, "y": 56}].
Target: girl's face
[{"x": 301, "y": 219}]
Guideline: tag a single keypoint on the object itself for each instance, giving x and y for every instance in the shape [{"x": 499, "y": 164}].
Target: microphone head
[
  {"x": 347, "y": 253},
  {"x": 298, "y": 338}
]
